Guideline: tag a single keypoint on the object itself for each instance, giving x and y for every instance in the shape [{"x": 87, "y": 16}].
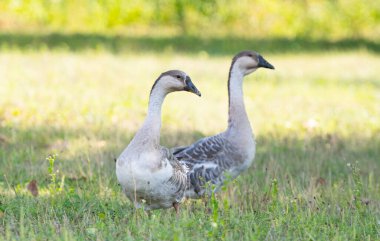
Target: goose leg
[{"x": 176, "y": 207}]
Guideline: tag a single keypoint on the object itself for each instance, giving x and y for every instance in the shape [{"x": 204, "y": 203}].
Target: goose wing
[
  {"x": 206, "y": 159},
  {"x": 179, "y": 176}
]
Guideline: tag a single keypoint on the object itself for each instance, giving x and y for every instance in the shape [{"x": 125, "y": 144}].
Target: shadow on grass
[
  {"x": 87, "y": 153},
  {"x": 180, "y": 44}
]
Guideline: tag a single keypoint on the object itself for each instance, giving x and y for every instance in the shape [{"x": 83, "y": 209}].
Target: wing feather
[
  {"x": 179, "y": 177},
  {"x": 206, "y": 159}
]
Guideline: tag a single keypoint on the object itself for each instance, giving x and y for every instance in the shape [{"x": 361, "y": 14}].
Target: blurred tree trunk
[{"x": 181, "y": 15}]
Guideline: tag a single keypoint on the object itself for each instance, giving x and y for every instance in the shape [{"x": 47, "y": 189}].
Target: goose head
[
  {"x": 249, "y": 61},
  {"x": 175, "y": 80}
]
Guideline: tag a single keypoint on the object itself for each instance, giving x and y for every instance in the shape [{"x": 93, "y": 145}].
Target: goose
[
  {"x": 150, "y": 176},
  {"x": 225, "y": 155}
]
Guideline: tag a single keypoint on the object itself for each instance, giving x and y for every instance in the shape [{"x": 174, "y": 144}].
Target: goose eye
[
  {"x": 178, "y": 76},
  {"x": 250, "y": 55}
]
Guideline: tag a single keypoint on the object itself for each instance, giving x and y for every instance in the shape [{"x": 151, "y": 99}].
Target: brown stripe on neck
[
  {"x": 241, "y": 54},
  {"x": 229, "y": 79},
  {"x": 155, "y": 83}
]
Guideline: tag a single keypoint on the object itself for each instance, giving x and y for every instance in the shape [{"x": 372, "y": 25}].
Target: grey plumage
[
  {"x": 179, "y": 177},
  {"x": 213, "y": 159},
  {"x": 206, "y": 160}
]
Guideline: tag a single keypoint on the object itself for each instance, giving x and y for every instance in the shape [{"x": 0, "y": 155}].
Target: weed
[{"x": 54, "y": 188}]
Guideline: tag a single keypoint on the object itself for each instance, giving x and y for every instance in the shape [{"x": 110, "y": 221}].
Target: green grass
[{"x": 312, "y": 116}]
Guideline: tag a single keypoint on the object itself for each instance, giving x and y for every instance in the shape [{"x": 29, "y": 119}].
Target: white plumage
[{"x": 149, "y": 174}]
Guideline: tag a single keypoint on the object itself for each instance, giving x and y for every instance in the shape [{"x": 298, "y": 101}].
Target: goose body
[
  {"x": 224, "y": 156},
  {"x": 151, "y": 177}
]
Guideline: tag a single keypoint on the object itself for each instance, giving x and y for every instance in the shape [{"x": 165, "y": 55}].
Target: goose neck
[
  {"x": 237, "y": 116},
  {"x": 149, "y": 133}
]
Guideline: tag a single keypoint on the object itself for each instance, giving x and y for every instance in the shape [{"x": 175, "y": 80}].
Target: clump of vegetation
[{"x": 54, "y": 188}]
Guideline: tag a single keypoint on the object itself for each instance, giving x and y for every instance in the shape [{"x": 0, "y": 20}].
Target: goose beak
[
  {"x": 191, "y": 87},
  {"x": 263, "y": 63}
]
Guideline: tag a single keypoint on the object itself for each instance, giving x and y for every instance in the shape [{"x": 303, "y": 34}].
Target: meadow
[
  {"x": 65, "y": 115},
  {"x": 74, "y": 83}
]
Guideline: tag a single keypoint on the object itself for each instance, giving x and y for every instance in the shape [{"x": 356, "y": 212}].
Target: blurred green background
[
  {"x": 215, "y": 26},
  {"x": 75, "y": 77}
]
